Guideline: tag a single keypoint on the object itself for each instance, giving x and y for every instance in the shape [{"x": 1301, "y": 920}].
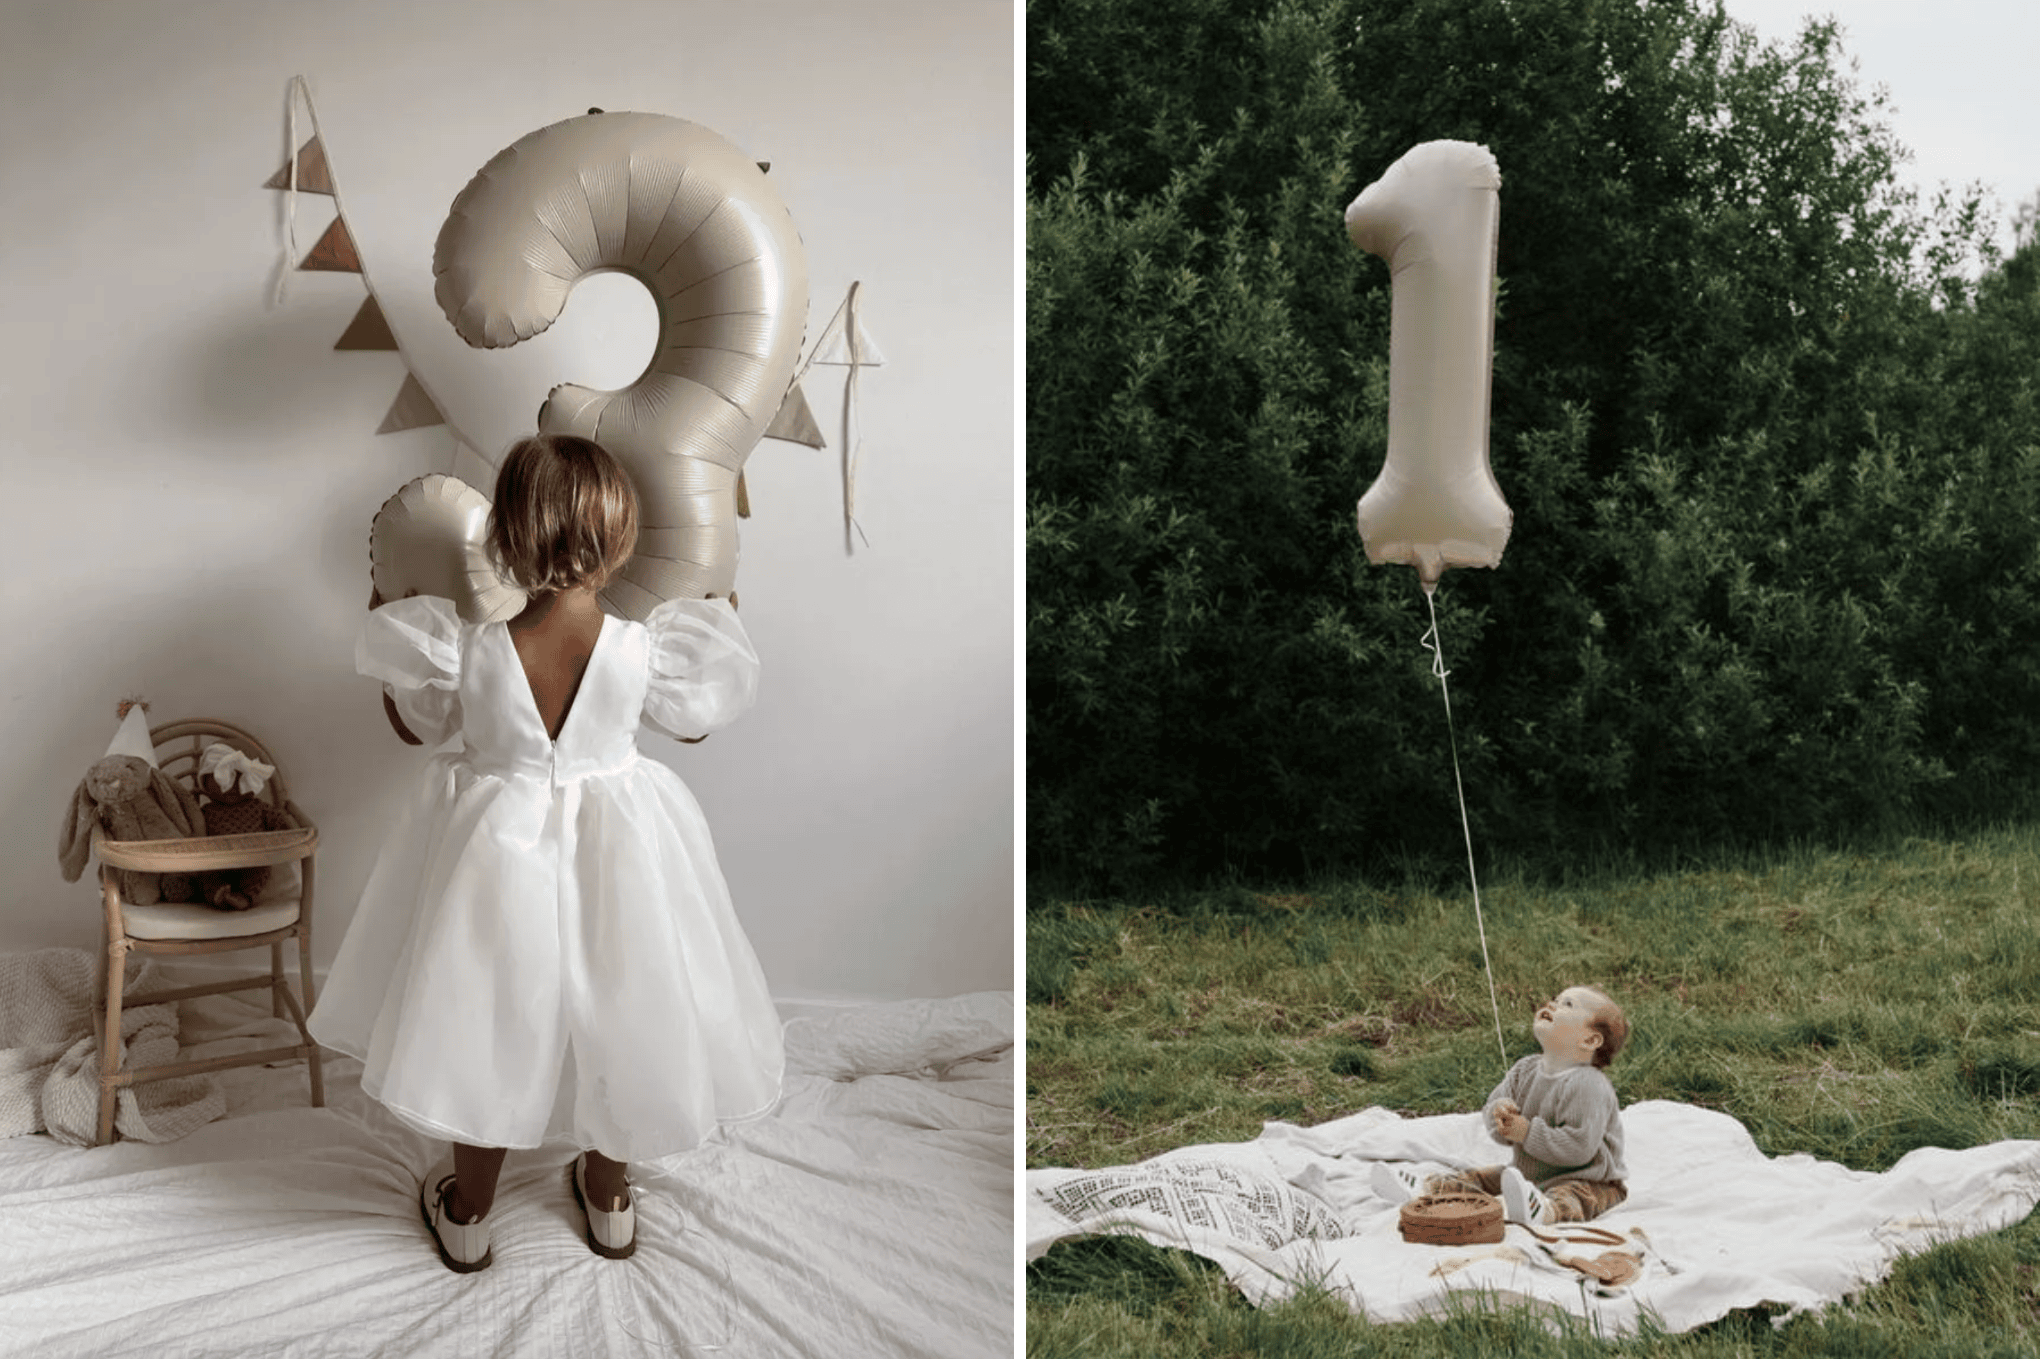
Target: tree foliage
[{"x": 1774, "y": 462}]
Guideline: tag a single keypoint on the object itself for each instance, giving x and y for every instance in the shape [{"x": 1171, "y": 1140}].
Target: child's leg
[
  {"x": 474, "y": 1181},
  {"x": 1485, "y": 1180},
  {"x": 1582, "y": 1200},
  {"x": 605, "y": 1182}
]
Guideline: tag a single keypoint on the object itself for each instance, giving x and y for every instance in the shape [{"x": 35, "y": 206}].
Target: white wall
[{"x": 187, "y": 472}]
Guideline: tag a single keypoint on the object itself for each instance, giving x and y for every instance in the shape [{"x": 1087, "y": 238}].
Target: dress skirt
[{"x": 531, "y": 907}]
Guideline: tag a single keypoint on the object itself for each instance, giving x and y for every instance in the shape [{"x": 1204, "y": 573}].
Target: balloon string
[{"x": 1435, "y": 644}]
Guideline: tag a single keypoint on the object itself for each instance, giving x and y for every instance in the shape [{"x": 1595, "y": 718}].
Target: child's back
[{"x": 555, "y": 644}]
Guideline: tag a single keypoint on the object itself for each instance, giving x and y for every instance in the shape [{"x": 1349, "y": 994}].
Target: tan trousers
[{"x": 1570, "y": 1200}]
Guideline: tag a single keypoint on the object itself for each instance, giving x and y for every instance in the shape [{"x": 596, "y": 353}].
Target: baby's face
[{"x": 1563, "y": 1023}]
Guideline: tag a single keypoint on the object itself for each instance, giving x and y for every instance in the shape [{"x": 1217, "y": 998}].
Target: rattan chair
[{"x": 283, "y": 913}]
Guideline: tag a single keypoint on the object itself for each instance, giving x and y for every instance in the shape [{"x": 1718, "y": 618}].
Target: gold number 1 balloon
[{"x": 1434, "y": 216}]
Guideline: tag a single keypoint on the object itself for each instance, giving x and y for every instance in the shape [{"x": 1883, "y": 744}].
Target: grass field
[{"x": 1853, "y": 1006}]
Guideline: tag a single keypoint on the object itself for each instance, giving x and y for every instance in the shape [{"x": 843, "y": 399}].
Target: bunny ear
[
  {"x": 177, "y": 803},
  {"x": 188, "y": 800},
  {"x": 74, "y": 843}
]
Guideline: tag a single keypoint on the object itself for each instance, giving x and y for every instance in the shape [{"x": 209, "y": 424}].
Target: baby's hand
[{"x": 1510, "y": 1123}]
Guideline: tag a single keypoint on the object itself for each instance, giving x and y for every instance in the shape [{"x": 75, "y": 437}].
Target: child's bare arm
[{"x": 397, "y": 723}]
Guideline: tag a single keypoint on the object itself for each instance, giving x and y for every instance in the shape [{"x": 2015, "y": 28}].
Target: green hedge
[{"x": 1775, "y": 464}]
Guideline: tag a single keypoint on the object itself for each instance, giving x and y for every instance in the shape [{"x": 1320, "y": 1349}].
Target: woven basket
[{"x": 1459, "y": 1219}]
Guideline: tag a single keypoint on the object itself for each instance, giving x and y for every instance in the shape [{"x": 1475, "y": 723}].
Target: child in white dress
[{"x": 548, "y": 896}]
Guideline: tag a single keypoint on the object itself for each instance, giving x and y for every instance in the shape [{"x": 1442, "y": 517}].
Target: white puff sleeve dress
[{"x": 545, "y": 947}]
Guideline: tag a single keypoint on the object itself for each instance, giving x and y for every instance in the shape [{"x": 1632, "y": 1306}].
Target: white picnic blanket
[
  {"x": 1714, "y": 1224},
  {"x": 49, "y": 1053}
]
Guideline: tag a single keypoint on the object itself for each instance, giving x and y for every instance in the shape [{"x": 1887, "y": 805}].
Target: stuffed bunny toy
[
  {"x": 129, "y": 799},
  {"x": 233, "y": 784}
]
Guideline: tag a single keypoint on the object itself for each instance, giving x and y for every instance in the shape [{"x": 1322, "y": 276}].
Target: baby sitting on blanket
[{"x": 1559, "y": 1111}]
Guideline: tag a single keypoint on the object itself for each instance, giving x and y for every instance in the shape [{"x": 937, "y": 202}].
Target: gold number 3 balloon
[
  {"x": 427, "y": 540},
  {"x": 693, "y": 218}
]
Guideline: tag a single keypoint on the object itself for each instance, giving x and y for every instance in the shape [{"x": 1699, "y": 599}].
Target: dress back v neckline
[{"x": 573, "y": 699}]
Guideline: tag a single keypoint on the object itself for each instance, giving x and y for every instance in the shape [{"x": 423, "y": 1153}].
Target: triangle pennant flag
[
  {"x": 368, "y": 329},
  {"x": 795, "y": 423},
  {"x": 846, "y": 340},
  {"x": 335, "y": 251},
  {"x": 412, "y": 409},
  {"x": 312, "y": 174},
  {"x": 472, "y": 468},
  {"x": 836, "y": 348}
]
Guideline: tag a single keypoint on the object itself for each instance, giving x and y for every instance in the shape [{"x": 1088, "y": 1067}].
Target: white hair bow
[{"x": 225, "y": 764}]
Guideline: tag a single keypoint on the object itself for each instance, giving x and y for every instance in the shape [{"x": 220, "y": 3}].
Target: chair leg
[
  {"x": 305, "y": 995},
  {"x": 276, "y": 979},
  {"x": 109, "y": 1041}
]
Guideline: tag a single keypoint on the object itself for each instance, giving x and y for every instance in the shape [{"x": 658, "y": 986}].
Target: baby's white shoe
[
  {"x": 1393, "y": 1183},
  {"x": 1520, "y": 1200}
]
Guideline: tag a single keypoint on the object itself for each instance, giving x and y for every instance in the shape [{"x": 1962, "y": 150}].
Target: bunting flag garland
[
  {"x": 368, "y": 329},
  {"x": 845, "y": 341},
  {"x": 472, "y": 468},
  {"x": 309, "y": 170},
  {"x": 794, "y": 422},
  {"x": 310, "y": 166},
  {"x": 334, "y": 252},
  {"x": 413, "y": 409}
]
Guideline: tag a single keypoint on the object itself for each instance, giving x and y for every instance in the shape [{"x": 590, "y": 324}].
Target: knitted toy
[
  {"x": 129, "y": 799},
  {"x": 233, "y": 784}
]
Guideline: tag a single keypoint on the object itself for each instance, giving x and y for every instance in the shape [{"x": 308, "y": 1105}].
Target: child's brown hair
[
  {"x": 565, "y": 514},
  {"x": 1612, "y": 1025}
]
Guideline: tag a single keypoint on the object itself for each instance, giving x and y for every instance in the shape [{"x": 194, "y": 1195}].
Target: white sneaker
[
  {"x": 1520, "y": 1200},
  {"x": 1393, "y": 1183}
]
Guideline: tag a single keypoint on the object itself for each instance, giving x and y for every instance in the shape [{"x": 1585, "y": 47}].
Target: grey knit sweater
[{"x": 1575, "y": 1121}]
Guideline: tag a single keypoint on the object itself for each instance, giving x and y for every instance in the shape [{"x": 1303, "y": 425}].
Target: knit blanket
[
  {"x": 49, "y": 1054},
  {"x": 1711, "y": 1224}
]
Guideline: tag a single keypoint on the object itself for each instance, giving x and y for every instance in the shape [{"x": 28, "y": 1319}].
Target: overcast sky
[{"x": 1964, "y": 77}]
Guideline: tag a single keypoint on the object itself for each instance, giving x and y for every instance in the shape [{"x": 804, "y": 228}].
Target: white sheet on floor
[
  {"x": 49, "y": 1053},
  {"x": 1715, "y": 1223},
  {"x": 867, "y": 1216}
]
